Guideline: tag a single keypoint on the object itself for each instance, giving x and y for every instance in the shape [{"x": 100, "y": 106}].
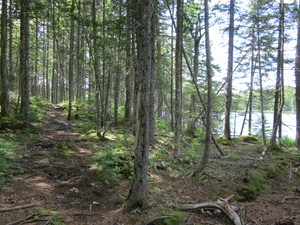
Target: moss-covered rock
[
  {"x": 250, "y": 139},
  {"x": 254, "y": 184},
  {"x": 224, "y": 141}
]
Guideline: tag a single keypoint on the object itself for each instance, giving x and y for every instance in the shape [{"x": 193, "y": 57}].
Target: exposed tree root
[{"x": 221, "y": 204}]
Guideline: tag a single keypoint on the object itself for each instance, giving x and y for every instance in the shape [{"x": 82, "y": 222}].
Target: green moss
[
  {"x": 174, "y": 219},
  {"x": 276, "y": 148},
  {"x": 250, "y": 139},
  {"x": 273, "y": 170},
  {"x": 256, "y": 180},
  {"x": 254, "y": 184},
  {"x": 224, "y": 141}
]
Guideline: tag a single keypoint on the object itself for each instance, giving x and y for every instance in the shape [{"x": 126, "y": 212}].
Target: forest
[{"x": 121, "y": 112}]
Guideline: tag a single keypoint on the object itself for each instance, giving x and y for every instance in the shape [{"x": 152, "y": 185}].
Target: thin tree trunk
[
  {"x": 208, "y": 129},
  {"x": 97, "y": 72},
  {"x": 228, "y": 97},
  {"x": 178, "y": 80},
  {"x": 128, "y": 76},
  {"x": 71, "y": 61},
  {"x": 279, "y": 92},
  {"x": 3, "y": 69},
  {"x": 278, "y": 89},
  {"x": 24, "y": 62},
  {"x": 297, "y": 76}
]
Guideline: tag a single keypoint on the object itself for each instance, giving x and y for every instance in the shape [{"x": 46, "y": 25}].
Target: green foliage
[
  {"x": 113, "y": 164},
  {"x": 286, "y": 141},
  {"x": 276, "y": 148},
  {"x": 7, "y": 147},
  {"x": 162, "y": 126},
  {"x": 65, "y": 146}
]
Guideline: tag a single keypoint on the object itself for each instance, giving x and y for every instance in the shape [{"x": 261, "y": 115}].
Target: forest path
[{"x": 52, "y": 177}]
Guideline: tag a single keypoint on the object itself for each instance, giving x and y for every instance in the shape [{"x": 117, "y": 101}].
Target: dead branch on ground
[
  {"x": 221, "y": 204},
  {"x": 17, "y": 207}
]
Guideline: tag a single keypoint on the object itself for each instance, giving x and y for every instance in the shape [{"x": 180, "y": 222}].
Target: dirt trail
[
  {"x": 52, "y": 174},
  {"x": 55, "y": 184}
]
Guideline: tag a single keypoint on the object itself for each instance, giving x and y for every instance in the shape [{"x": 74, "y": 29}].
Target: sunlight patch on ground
[{"x": 156, "y": 177}]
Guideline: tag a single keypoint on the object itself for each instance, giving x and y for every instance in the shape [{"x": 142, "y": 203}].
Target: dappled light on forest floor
[{"x": 69, "y": 178}]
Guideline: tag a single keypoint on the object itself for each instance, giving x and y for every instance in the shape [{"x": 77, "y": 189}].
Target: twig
[
  {"x": 21, "y": 220},
  {"x": 17, "y": 207}
]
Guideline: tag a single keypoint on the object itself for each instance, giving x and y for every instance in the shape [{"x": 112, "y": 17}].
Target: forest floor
[{"x": 56, "y": 185}]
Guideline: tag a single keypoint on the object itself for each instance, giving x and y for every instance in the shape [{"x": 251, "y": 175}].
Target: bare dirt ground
[{"x": 53, "y": 188}]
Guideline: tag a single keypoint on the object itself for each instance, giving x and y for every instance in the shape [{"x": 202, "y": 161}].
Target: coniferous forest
[{"x": 150, "y": 112}]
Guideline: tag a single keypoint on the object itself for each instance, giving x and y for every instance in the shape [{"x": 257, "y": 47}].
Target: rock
[
  {"x": 60, "y": 122},
  {"x": 44, "y": 162},
  {"x": 298, "y": 189}
]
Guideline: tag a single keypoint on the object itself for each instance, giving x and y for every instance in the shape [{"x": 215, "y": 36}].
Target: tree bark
[
  {"x": 97, "y": 72},
  {"x": 3, "y": 69},
  {"x": 71, "y": 61},
  {"x": 208, "y": 128},
  {"x": 228, "y": 96},
  {"x": 144, "y": 11},
  {"x": 24, "y": 62},
  {"x": 178, "y": 79},
  {"x": 297, "y": 76}
]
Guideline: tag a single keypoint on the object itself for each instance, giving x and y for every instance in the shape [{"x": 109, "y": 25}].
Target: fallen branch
[
  {"x": 221, "y": 204},
  {"x": 17, "y": 207},
  {"x": 153, "y": 221}
]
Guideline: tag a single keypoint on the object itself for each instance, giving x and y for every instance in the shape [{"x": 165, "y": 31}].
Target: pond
[{"x": 288, "y": 124}]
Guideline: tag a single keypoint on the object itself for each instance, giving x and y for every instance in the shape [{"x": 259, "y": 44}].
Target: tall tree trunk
[
  {"x": 208, "y": 128},
  {"x": 128, "y": 63},
  {"x": 97, "y": 72},
  {"x": 145, "y": 10},
  {"x": 228, "y": 97},
  {"x": 54, "y": 81},
  {"x": 278, "y": 89},
  {"x": 3, "y": 69},
  {"x": 178, "y": 79},
  {"x": 279, "y": 92},
  {"x": 24, "y": 61},
  {"x": 34, "y": 85},
  {"x": 263, "y": 130},
  {"x": 297, "y": 76},
  {"x": 71, "y": 61}
]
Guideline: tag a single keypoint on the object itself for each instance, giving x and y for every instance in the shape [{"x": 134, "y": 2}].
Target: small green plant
[
  {"x": 113, "y": 165},
  {"x": 65, "y": 146},
  {"x": 286, "y": 141}
]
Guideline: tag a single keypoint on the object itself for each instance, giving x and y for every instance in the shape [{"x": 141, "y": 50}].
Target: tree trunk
[
  {"x": 145, "y": 10},
  {"x": 279, "y": 81},
  {"x": 228, "y": 97},
  {"x": 178, "y": 79},
  {"x": 3, "y": 69},
  {"x": 97, "y": 72},
  {"x": 24, "y": 62},
  {"x": 297, "y": 76},
  {"x": 71, "y": 61},
  {"x": 208, "y": 128}
]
